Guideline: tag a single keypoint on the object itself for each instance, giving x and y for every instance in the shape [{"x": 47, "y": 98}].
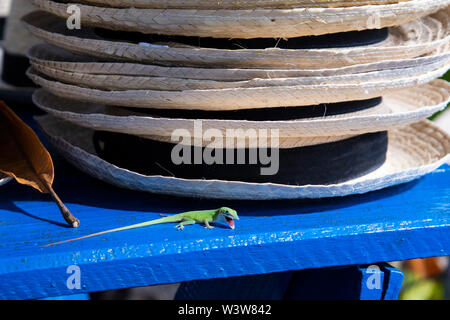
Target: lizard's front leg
[
  {"x": 183, "y": 223},
  {"x": 207, "y": 226}
]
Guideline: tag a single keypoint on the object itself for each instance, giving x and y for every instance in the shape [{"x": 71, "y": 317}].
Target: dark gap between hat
[
  {"x": 14, "y": 70},
  {"x": 321, "y": 164},
  {"x": 335, "y": 40},
  {"x": 2, "y": 27},
  {"x": 267, "y": 114}
]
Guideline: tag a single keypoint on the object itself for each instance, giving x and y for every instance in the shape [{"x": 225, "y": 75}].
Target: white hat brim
[
  {"x": 235, "y": 98},
  {"x": 395, "y": 78},
  {"x": 413, "y": 151},
  {"x": 51, "y": 57},
  {"x": 411, "y": 40},
  {"x": 235, "y": 4},
  {"x": 248, "y": 23},
  {"x": 399, "y": 108}
]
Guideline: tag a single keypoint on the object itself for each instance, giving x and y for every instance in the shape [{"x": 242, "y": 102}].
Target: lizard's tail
[{"x": 138, "y": 225}]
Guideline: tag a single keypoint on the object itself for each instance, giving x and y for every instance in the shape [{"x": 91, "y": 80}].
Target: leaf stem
[{"x": 74, "y": 222}]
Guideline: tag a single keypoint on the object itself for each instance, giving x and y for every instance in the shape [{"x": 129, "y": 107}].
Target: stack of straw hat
[{"x": 347, "y": 84}]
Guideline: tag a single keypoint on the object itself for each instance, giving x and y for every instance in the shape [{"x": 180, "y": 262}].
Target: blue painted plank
[
  {"x": 373, "y": 280},
  {"x": 404, "y": 222},
  {"x": 393, "y": 283},
  {"x": 77, "y": 297}
]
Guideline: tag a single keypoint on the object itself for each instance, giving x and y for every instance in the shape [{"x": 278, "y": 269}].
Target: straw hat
[
  {"x": 398, "y": 108},
  {"x": 54, "y": 59},
  {"x": 399, "y": 77},
  {"x": 249, "y": 23},
  {"x": 67, "y": 67},
  {"x": 286, "y": 93},
  {"x": 411, "y": 40},
  {"x": 371, "y": 143},
  {"x": 413, "y": 151},
  {"x": 235, "y": 4}
]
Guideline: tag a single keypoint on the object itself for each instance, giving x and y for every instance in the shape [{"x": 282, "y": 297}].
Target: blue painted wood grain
[
  {"x": 408, "y": 221},
  {"x": 403, "y": 222},
  {"x": 77, "y": 297},
  {"x": 392, "y": 283}
]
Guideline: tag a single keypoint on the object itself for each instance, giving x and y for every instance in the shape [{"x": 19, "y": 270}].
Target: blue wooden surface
[
  {"x": 393, "y": 283},
  {"x": 77, "y": 297},
  {"x": 403, "y": 222}
]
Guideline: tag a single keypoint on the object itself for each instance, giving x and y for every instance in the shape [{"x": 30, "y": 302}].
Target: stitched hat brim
[
  {"x": 48, "y": 56},
  {"x": 233, "y": 98},
  {"x": 235, "y": 4},
  {"x": 398, "y": 108},
  {"x": 414, "y": 39},
  {"x": 413, "y": 151},
  {"x": 248, "y": 23},
  {"x": 395, "y": 77}
]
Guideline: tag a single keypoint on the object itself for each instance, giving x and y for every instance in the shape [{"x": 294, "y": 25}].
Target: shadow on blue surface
[
  {"x": 11, "y": 206},
  {"x": 75, "y": 187}
]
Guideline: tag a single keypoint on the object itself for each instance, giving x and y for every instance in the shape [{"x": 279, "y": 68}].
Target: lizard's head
[{"x": 229, "y": 215}]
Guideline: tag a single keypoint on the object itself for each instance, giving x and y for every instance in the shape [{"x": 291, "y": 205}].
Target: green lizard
[{"x": 206, "y": 217}]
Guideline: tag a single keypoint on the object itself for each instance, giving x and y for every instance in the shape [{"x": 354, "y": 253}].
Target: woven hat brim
[
  {"x": 234, "y": 98},
  {"x": 399, "y": 108},
  {"x": 283, "y": 142},
  {"x": 234, "y": 4},
  {"x": 52, "y": 57},
  {"x": 248, "y": 23},
  {"x": 413, "y": 151},
  {"x": 125, "y": 82},
  {"x": 414, "y": 39}
]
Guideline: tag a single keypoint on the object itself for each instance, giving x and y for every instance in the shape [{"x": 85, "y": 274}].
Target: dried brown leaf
[{"x": 23, "y": 157}]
